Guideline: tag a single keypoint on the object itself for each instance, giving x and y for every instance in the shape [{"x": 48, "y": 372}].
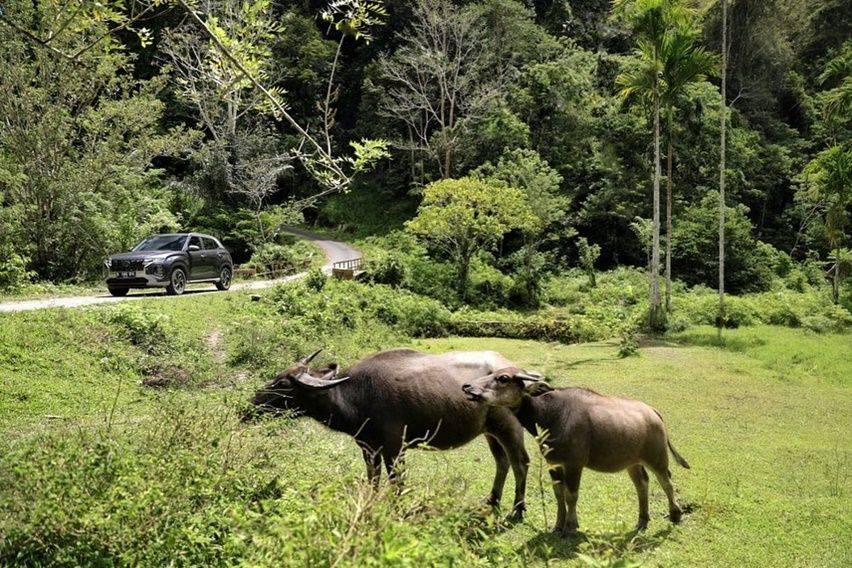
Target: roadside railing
[{"x": 347, "y": 269}]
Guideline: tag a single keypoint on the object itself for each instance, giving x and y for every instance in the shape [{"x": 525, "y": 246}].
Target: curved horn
[
  {"x": 529, "y": 376},
  {"x": 324, "y": 382},
  {"x": 310, "y": 357}
]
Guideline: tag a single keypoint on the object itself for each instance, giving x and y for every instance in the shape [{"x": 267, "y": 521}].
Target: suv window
[
  {"x": 210, "y": 244},
  {"x": 162, "y": 242},
  {"x": 195, "y": 241}
]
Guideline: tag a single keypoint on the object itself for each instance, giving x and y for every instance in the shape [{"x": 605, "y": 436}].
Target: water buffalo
[
  {"x": 401, "y": 398},
  {"x": 585, "y": 429}
]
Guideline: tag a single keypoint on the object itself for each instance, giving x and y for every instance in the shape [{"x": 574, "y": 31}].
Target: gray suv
[{"x": 170, "y": 262}]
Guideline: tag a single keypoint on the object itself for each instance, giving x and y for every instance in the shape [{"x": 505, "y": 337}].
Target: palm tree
[
  {"x": 653, "y": 22},
  {"x": 685, "y": 61}
]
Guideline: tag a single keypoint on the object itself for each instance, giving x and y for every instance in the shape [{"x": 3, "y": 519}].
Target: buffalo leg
[
  {"x": 501, "y": 464},
  {"x": 559, "y": 492},
  {"x": 394, "y": 462},
  {"x": 571, "y": 478},
  {"x": 640, "y": 479},
  {"x": 373, "y": 461},
  {"x": 511, "y": 437},
  {"x": 675, "y": 513}
]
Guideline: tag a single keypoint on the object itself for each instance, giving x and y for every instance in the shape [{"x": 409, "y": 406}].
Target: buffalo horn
[
  {"x": 529, "y": 376},
  {"x": 310, "y": 357},
  {"x": 324, "y": 382}
]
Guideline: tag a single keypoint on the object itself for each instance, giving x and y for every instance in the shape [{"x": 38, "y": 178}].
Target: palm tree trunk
[
  {"x": 669, "y": 214},
  {"x": 724, "y": 113},
  {"x": 655, "y": 314}
]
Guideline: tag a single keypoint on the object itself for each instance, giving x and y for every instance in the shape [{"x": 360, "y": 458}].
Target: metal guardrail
[{"x": 351, "y": 264}]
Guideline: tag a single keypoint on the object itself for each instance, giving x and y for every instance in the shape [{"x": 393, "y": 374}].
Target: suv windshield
[{"x": 162, "y": 242}]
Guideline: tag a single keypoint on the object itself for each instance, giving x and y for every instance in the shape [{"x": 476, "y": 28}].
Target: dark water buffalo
[
  {"x": 402, "y": 398},
  {"x": 585, "y": 429}
]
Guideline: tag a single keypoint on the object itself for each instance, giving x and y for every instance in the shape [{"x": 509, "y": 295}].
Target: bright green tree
[
  {"x": 828, "y": 183},
  {"x": 588, "y": 257},
  {"x": 462, "y": 216}
]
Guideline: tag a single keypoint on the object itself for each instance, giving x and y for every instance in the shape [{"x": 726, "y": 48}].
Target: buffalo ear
[{"x": 536, "y": 388}]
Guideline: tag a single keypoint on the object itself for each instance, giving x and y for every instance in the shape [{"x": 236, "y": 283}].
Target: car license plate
[{"x": 124, "y": 274}]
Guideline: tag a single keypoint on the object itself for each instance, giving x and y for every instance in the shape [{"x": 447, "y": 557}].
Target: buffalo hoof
[
  {"x": 517, "y": 515},
  {"x": 491, "y": 501},
  {"x": 675, "y": 516},
  {"x": 641, "y": 525}
]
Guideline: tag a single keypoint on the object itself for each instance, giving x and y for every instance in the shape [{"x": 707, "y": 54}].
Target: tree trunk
[
  {"x": 656, "y": 317},
  {"x": 724, "y": 113},
  {"x": 835, "y": 281},
  {"x": 669, "y": 215},
  {"x": 463, "y": 271}
]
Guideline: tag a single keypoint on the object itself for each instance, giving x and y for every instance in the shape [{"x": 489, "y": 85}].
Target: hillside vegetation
[{"x": 98, "y": 469}]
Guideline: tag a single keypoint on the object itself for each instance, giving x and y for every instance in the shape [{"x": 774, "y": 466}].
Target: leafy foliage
[{"x": 466, "y": 215}]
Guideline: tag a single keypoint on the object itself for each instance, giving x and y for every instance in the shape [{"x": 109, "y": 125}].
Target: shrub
[
  {"x": 388, "y": 269},
  {"x": 748, "y": 262},
  {"x": 152, "y": 331},
  {"x": 13, "y": 269},
  {"x": 343, "y": 317},
  {"x": 315, "y": 280},
  {"x": 489, "y": 287},
  {"x": 282, "y": 259},
  {"x": 628, "y": 345}
]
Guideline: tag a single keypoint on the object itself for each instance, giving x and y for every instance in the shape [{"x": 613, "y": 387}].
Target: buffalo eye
[{"x": 503, "y": 378}]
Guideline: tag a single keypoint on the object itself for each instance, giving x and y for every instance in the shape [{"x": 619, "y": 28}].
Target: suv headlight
[{"x": 108, "y": 262}]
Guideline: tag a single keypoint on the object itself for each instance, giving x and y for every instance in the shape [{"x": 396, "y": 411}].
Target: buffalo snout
[{"x": 473, "y": 392}]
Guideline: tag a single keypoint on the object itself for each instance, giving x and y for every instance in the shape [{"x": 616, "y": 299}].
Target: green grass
[{"x": 95, "y": 469}]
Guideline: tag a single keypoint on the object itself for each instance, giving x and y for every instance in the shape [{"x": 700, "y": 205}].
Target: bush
[
  {"x": 13, "y": 269},
  {"x": 151, "y": 331},
  {"x": 188, "y": 486},
  {"x": 282, "y": 259},
  {"x": 628, "y": 345},
  {"x": 388, "y": 269},
  {"x": 488, "y": 286},
  {"x": 748, "y": 262},
  {"x": 812, "y": 309},
  {"x": 316, "y": 279},
  {"x": 343, "y": 317}
]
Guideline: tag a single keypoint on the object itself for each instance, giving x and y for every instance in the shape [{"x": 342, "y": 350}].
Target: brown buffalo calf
[{"x": 585, "y": 429}]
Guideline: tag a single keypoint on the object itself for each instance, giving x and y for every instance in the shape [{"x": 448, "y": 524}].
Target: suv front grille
[{"x": 126, "y": 265}]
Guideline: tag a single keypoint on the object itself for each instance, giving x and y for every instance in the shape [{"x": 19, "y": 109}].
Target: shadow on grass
[
  {"x": 550, "y": 545},
  {"x": 711, "y": 338},
  {"x": 591, "y": 361}
]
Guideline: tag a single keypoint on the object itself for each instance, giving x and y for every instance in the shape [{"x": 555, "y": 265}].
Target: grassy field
[{"x": 95, "y": 469}]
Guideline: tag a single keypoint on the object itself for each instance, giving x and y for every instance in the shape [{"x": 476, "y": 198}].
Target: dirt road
[{"x": 335, "y": 251}]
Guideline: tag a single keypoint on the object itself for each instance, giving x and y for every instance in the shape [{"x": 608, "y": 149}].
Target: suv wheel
[
  {"x": 224, "y": 279},
  {"x": 177, "y": 282},
  {"x": 118, "y": 291}
]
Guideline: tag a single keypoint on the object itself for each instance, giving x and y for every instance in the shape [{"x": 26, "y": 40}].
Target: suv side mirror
[{"x": 193, "y": 248}]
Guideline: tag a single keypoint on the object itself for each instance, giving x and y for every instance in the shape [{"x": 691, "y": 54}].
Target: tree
[
  {"x": 78, "y": 146},
  {"x": 653, "y": 22},
  {"x": 527, "y": 171},
  {"x": 462, "y": 216},
  {"x": 242, "y": 155},
  {"x": 588, "y": 256},
  {"x": 334, "y": 172},
  {"x": 439, "y": 80},
  {"x": 695, "y": 241},
  {"x": 685, "y": 61},
  {"x": 722, "y": 131},
  {"x": 828, "y": 183}
]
